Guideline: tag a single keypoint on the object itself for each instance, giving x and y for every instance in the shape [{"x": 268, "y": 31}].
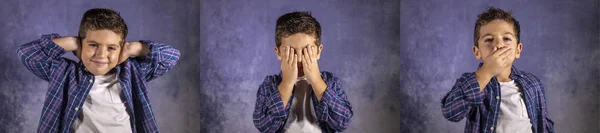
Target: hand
[
  {"x": 310, "y": 65},
  {"x": 131, "y": 49},
  {"x": 497, "y": 61},
  {"x": 311, "y": 71},
  {"x": 289, "y": 67}
]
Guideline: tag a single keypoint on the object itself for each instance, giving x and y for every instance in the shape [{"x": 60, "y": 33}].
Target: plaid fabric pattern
[
  {"x": 70, "y": 83},
  {"x": 481, "y": 108},
  {"x": 333, "y": 111}
]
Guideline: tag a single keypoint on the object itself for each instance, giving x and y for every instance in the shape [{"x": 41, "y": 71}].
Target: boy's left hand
[
  {"x": 131, "y": 49},
  {"x": 310, "y": 65}
]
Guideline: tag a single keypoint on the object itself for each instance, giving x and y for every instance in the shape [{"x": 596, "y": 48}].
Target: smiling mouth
[{"x": 99, "y": 63}]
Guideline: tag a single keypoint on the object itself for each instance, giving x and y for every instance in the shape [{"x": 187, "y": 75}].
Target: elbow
[
  {"x": 451, "y": 118},
  {"x": 345, "y": 123},
  {"x": 451, "y": 115},
  {"x": 20, "y": 51}
]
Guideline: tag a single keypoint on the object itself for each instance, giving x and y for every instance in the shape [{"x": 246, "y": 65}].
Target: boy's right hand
[
  {"x": 496, "y": 62},
  {"x": 289, "y": 67},
  {"x": 289, "y": 71}
]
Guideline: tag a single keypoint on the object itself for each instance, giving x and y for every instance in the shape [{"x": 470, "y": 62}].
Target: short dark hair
[
  {"x": 102, "y": 18},
  {"x": 492, "y": 14},
  {"x": 297, "y": 22}
]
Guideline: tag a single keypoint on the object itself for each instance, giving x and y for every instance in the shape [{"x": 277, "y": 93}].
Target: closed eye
[{"x": 488, "y": 40}]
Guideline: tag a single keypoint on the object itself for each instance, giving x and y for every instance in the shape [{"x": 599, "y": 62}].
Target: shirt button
[
  {"x": 492, "y": 128},
  {"x": 76, "y": 108},
  {"x": 91, "y": 80},
  {"x": 497, "y": 97}
]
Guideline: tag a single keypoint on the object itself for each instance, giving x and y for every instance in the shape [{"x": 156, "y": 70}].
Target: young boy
[
  {"x": 300, "y": 98},
  {"x": 105, "y": 91},
  {"x": 498, "y": 97}
]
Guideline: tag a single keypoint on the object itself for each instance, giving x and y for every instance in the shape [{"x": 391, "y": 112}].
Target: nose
[
  {"x": 101, "y": 52},
  {"x": 499, "y": 43},
  {"x": 299, "y": 53}
]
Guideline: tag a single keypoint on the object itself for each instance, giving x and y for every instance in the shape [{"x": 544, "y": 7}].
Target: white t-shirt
[
  {"x": 104, "y": 108},
  {"x": 513, "y": 117},
  {"x": 302, "y": 117}
]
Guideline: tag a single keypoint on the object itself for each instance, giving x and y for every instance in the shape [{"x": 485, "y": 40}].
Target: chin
[{"x": 99, "y": 72}]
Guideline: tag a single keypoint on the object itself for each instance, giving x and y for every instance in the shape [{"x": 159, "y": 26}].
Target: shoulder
[
  {"x": 275, "y": 78},
  {"x": 269, "y": 83},
  {"x": 532, "y": 82},
  {"x": 467, "y": 76},
  {"x": 328, "y": 76},
  {"x": 529, "y": 77}
]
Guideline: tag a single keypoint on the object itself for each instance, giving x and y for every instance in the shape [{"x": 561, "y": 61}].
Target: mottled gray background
[
  {"x": 360, "y": 40},
  {"x": 560, "y": 45},
  {"x": 173, "y": 96}
]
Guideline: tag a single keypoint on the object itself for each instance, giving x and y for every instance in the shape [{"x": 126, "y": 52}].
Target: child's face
[
  {"x": 100, "y": 51},
  {"x": 298, "y": 41},
  {"x": 495, "y": 35}
]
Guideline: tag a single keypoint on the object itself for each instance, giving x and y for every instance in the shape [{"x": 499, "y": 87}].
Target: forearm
[
  {"x": 140, "y": 50},
  {"x": 460, "y": 99},
  {"x": 269, "y": 113},
  {"x": 155, "y": 59},
  {"x": 334, "y": 108},
  {"x": 482, "y": 79},
  {"x": 69, "y": 43},
  {"x": 39, "y": 55},
  {"x": 285, "y": 91},
  {"x": 319, "y": 88}
]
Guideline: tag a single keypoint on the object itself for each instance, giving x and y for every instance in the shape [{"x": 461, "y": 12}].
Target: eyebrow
[
  {"x": 488, "y": 34},
  {"x": 114, "y": 45},
  {"x": 92, "y": 41},
  {"x": 303, "y": 47}
]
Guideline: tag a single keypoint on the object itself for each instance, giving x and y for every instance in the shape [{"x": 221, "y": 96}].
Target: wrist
[
  {"x": 483, "y": 74},
  {"x": 286, "y": 84},
  {"x": 316, "y": 80}
]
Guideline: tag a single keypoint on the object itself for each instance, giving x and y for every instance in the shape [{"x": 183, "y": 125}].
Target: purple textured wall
[
  {"x": 395, "y": 58},
  {"x": 361, "y": 46},
  {"x": 173, "y": 95},
  {"x": 561, "y": 46}
]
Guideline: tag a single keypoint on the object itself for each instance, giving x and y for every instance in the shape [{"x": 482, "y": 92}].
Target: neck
[{"x": 504, "y": 76}]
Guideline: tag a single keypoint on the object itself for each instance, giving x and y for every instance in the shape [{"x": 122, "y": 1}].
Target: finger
[
  {"x": 314, "y": 53},
  {"x": 311, "y": 51},
  {"x": 295, "y": 63},
  {"x": 305, "y": 64},
  {"x": 304, "y": 53},
  {"x": 306, "y": 57},
  {"x": 286, "y": 54},
  {"x": 290, "y": 56},
  {"x": 505, "y": 52},
  {"x": 499, "y": 51}
]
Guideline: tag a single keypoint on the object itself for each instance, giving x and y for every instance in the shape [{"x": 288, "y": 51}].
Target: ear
[
  {"x": 319, "y": 49},
  {"x": 476, "y": 52},
  {"x": 519, "y": 49},
  {"x": 279, "y": 57},
  {"x": 77, "y": 52}
]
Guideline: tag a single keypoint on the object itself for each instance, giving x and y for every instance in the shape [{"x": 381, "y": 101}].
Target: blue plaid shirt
[
  {"x": 481, "y": 108},
  {"x": 70, "y": 83},
  {"x": 333, "y": 111}
]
